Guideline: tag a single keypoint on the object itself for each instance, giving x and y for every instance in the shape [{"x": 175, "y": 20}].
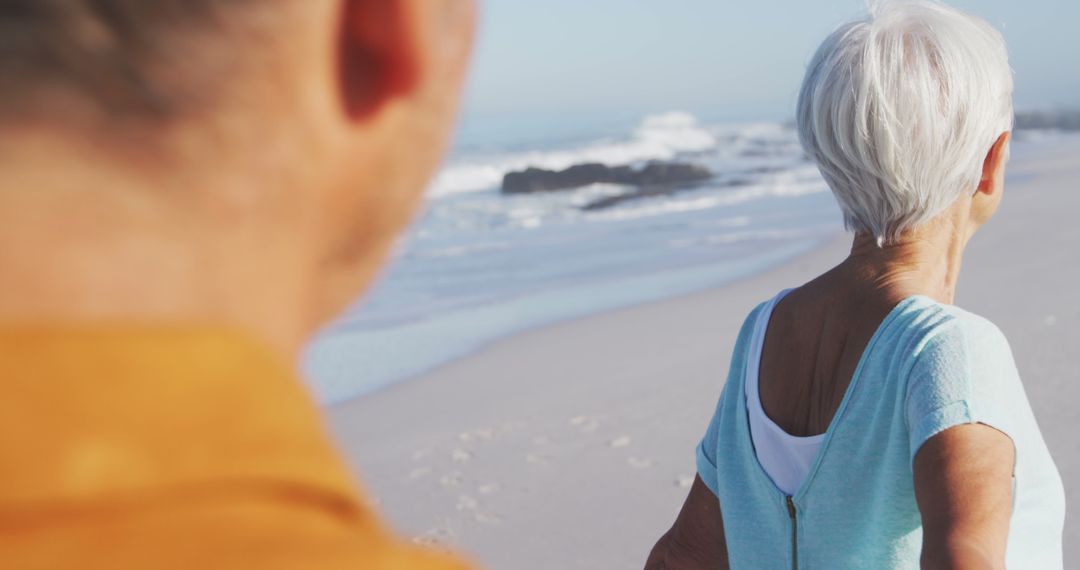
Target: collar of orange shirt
[{"x": 119, "y": 412}]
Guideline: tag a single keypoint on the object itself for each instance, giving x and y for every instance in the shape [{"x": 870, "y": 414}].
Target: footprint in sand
[
  {"x": 685, "y": 481},
  {"x": 460, "y": 456},
  {"x": 437, "y": 536},
  {"x": 427, "y": 541},
  {"x": 641, "y": 463},
  {"x": 484, "y": 434},
  {"x": 541, "y": 440},
  {"x": 584, "y": 424},
  {"x": 421, "y": 453},
  {"x": 486, "y": 518},
  {"x": 536, "y": 459},
  {"x": 467, "y": 503},
  {"x": 452, "y": 479},
  {"x": 419, "y": 472},
  {"x": 621, "y": 441},
  {"x": 488, "y": 489}
]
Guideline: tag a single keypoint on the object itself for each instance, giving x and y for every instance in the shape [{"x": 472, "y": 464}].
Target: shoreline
[
  {"x": 835, "y": 242},
  {"x": 747, "y": 269},
  {"x": 571, "y": 446}
]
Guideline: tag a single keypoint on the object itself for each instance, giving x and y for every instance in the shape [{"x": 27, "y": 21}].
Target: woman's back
[
  {"x": 814, "y": 340},
  {"x": 925, "y": 367}
]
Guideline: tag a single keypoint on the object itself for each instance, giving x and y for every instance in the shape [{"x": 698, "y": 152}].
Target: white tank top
[{"x": 784, "y": 457}]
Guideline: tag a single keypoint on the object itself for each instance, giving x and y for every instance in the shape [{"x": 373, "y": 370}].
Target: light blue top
[{"x": 928, "y": 367}]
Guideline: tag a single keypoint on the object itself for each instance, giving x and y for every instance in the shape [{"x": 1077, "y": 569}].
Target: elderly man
[{"x": 189, "y": 189}]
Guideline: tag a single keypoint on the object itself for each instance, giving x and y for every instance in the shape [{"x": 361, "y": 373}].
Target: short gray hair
[{"x": 899, "y": 110}]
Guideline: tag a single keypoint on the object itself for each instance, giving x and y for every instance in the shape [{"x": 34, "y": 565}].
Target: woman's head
[{"x": 900, "y": 109}]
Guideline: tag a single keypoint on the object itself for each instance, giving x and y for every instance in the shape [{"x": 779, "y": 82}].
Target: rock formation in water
[{"x": 653, "y": 175}]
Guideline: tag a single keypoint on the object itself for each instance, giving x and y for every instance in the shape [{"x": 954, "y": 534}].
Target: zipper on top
[{"x": 794, "y": 532}]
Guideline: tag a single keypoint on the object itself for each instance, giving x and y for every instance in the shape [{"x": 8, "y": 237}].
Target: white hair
[{"x": 899, "y": 110}]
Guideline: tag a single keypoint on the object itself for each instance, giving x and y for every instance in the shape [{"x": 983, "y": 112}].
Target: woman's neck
[{"x": 925, "y": 261}]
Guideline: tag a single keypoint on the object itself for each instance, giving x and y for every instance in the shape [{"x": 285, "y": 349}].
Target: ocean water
[{"x": 477, "y": 266}]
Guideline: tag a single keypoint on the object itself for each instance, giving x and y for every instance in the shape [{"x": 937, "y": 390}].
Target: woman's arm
[
  {"x": 696, "y": 540},
  {"x": 963, "y": 484}
]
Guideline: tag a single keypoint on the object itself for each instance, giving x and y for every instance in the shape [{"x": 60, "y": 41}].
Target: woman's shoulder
[
  {"x": 927, "y": 324},
  {"x": 955, "y": 354}
]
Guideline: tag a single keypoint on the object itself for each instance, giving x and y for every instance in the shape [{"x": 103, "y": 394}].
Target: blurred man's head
[{"x": 206, "y": 146}]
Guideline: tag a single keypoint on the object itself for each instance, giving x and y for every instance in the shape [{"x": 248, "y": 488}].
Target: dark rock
[
  {"x": 653, "y": 191},
  {"x": 653, "y": 174},
  {"x": 664, "y": 173},
  {"x": 1055, "y": 120},
  {"x": 540, "y": 180}
]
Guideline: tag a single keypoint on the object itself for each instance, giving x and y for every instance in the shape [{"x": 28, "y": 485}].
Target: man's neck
[{"x": 84, "y": 243}]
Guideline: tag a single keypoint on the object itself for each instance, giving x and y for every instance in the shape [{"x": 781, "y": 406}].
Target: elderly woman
[{"x": 867, "y": 422}]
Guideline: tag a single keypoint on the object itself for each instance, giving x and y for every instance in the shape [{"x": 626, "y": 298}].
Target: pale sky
[{"x": 545, "y": 62}]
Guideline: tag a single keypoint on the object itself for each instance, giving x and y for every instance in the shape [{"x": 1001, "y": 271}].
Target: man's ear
[
  {"x": 379, "y": 54},
  {"x": 993, "y": 171}
]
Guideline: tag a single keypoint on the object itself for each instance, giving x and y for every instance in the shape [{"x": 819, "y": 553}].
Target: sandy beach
[{"x": 571, "y": 447}]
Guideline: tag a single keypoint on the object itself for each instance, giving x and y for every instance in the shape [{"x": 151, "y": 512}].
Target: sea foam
[{"x": 657, "y": 137}]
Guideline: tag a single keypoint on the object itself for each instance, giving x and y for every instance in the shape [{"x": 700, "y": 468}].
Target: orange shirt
[{"x": 167, "y": 449}]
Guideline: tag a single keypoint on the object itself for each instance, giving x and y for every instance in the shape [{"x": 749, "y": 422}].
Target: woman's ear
[
  {"x": 993, "y": 172},
  {"x": 987, "y": 197}
]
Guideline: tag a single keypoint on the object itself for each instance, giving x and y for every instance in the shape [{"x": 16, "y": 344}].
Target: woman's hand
[{"x": 696, "y": 540}]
